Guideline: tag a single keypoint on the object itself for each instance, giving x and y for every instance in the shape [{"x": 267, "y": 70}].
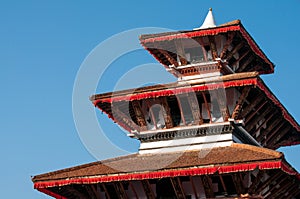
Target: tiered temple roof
[{"x": 211, "y": 134}]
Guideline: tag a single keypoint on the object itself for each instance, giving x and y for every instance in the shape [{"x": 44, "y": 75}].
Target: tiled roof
[{"x": 220, "y": 156}]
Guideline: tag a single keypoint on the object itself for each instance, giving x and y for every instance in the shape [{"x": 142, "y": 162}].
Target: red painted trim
[
  {"x": 285, "y": 113},
  {"x": 169, "y": 173},
  {"x": 50, "y": 193},
  {"x": 198, "y": 33},
  {"x": 176, "y": 91}
]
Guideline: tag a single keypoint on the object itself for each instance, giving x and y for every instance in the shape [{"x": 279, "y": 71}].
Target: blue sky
[{"x": 43, "y": 44}]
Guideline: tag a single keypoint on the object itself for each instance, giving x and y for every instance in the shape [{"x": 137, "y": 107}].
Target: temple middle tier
[{"x": 241, "y": 100}]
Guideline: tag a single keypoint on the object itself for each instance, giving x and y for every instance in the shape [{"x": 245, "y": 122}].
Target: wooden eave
[
  {"x": 259, "y": 104},
  {"x": 163, "y": 46},
  {"x": 87, "y": 181}
]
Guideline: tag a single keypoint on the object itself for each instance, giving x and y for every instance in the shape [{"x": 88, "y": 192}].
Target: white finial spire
[{"x": 209, "y": 21}]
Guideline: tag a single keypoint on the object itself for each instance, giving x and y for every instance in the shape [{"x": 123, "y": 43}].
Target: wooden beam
[
  {"x": 167, "y": 113},
  {"x": 166, "y": 54},
  {"x": 249, "y": 122},
  {"x": 282, "y": 189},
  {"x": 275, "y": 125},
  {"x": 133, "y": 190},
  {"x": 293, "y": 191},
  {"x": 177, "y": 187},
  {"x": 271, "y": 116},
  {"x": 148, "y": 190},
  {"x": 234, "y": 50},
  {"x": 213, "y": 47},
  {"x": 96, "y": 189},
  {"x": 277, "y": 138},
  {"x": 269, "y": 194},
  {"x": 92, "y": 191},
  {"x": 207, "y": 107},
  {"x": 245, "y": 64},
  {"x": 180, "y": 51},
  {"x": 125, "y": 119},
  {"x": 239, "y": 184},
  {"x": 268, "y": 181},
  {"x": 120, "y": 190},
  {"x": 105, "y": 191},
  {"x": 241, "y": 57},
  {"x": 194, "y": 105},
  {"x": 139, "y": 115},
  {"x": 240, "y": 102},
  {"x": 227, "y": 44},
  {"x": 76, "y": 193},
  {"x": 194, "y": 188},
  {"x": 206, "y": 181},
  {"x": 256, "y": 182},
  {"x": 251, "y": 105},
  {"x": 223, "y": 185}
]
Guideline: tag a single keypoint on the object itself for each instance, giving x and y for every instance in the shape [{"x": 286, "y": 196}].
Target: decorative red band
[
  {"x": 176, "y": 91},
  {"x": 169, "y": 173},
  {"x": 191, "y": 34}
]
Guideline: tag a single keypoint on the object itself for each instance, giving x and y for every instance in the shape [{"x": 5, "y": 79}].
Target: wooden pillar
[
  {"x": 166, "y": 113},
  {"x": 194, "y": 188},
  {"x": 139, "y": 115},
  {"x": 207, "y": 107},
  {"x": 177, "y": 187},
  {"x": 181, "y": 110},
  {"x": 222, "y": 102},
  {"x": 148, "y": 104},
  {"x": 213, "y": 47},
  {"x": 238, "y": 182},
  {"x": 194, "y": 105}
]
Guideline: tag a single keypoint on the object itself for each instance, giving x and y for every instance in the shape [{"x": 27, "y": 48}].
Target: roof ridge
[{"x": 277, "y": 154}]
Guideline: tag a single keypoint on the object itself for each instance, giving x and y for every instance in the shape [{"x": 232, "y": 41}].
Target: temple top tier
[{"x": 208, "y": 50}]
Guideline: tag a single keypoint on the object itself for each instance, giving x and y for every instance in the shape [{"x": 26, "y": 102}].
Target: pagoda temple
[{"x": 211, "y": 134}]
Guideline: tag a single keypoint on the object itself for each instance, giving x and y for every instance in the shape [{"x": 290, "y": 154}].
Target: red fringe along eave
[{"x": 168, "y": 173}]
